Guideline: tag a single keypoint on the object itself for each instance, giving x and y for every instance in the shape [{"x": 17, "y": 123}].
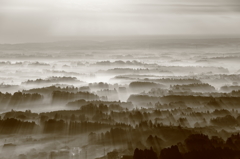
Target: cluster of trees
[
  {"x": 144, "y": 85},
  {"x": 145, "y": 154},
  {"x": 174, "y": 80},
  {"x": 230, "y": 88},
  {"x": 140, "y": 136},
  {"x": 72, "y": 127},
  {"x": 226, "y": 121},
  {"x": 158, "y": 92},
  {"x": 195, "y": 69},
  {"x": 53, "y": 79},
  {"x": 111, "y": 95},
  {"x": 171, "y": 105},
  {"x": 27, "y": 115},
  {"x": 231, "y": 102},
  {"x": 62, "y": 96},
  {"x": 227, "y": 77},
  {"x": 235, "y": 93},
  {"x": 14, "y": 126},
  {"x": 119, "y": 63},
  {"x": 196, "y": 146},
  {"x": 198, "y": 87},
  {"x": 88, "y": 112},
  {"x": 183, "y": 116},
  {"x": 19, "y": 98},
  {"x": 38, "y": 64},
  {"x": 50, "y": 89},
  {"x": 100, "y": 85},
  {"x": 135, "y": 71},
  {"x": 112, "y": 105},
  {"x": 114, "y": 136}
]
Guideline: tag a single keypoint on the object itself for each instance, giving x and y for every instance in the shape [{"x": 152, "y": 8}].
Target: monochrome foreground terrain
[{"x": 141, "y": 98}]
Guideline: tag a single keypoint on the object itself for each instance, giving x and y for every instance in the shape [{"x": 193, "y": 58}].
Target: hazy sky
[{"x": 47, "y": 20}]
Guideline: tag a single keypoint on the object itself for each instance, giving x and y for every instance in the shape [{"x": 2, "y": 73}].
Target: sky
[{"x": 53, "y": 20}]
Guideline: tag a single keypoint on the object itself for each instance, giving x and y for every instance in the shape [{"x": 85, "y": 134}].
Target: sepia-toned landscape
[
  {"x": 119, "y": 79},
  {"x": 150, "y": 98}
]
